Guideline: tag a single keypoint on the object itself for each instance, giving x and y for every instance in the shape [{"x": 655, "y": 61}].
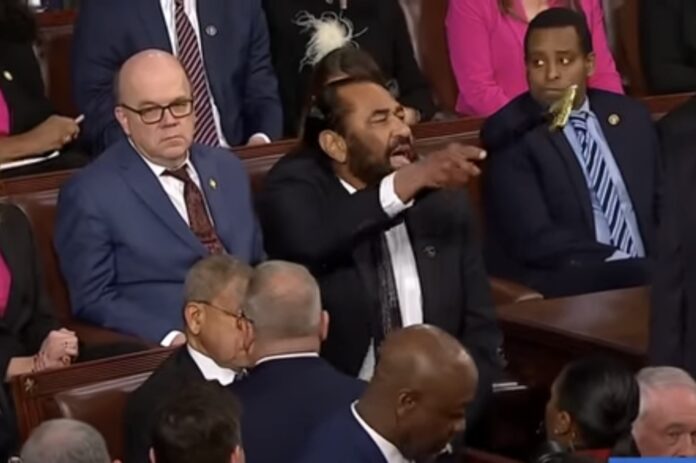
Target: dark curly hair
[{"x": 17, "y": 23}]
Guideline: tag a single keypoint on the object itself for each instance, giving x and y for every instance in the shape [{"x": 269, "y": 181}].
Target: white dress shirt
[
  {"x": 296, "y": 355},
  {"x": 211, "y": 371},
  {"x": 389, "y": 450},
  {"x": 403, "y": 262},
  {"x": 192, "y": 13}
]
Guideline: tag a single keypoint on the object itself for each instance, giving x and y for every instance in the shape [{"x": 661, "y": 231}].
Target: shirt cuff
[
  {"x": 169, "y": 338},
  {"x": 391, "y": 203},
  {"x": 265, "y": 137}
]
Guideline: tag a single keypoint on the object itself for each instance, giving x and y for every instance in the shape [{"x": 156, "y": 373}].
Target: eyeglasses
[
  {"x": 240, "y": 317},
  {"x": 154, "y": 114}
]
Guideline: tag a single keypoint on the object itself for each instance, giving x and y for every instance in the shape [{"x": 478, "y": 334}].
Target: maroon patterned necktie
[
  {"x": 192, "y": 60},
  {"x": 199, "y": 221}
]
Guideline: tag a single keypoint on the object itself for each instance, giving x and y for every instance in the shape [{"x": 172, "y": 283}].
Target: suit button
[{"x": 430, "y": 251}]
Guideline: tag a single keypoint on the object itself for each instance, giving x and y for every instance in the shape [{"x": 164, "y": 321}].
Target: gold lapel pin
[
  {"x": 212, "y": 183},
  {"x": 614, "y": 119},
  {"x": 7, "y": 75}
]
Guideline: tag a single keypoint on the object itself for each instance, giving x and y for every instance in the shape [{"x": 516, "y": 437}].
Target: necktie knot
[
  {"x": 181, "y": 173},
  {"x": 579, "y": 119}
]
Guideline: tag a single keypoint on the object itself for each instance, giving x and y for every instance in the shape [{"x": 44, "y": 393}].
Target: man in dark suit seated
[
  {"x": 290, "y": 390},
  {"x": 218, "y": 337},
  {"x": 569, "y": 210},
  {"x": 131, "y": 224},
  {"x": 389, "y": 237},
  {"x": 222, "y": 44},
  {"x": 412, "y": 409},
  {"x": 199, "y": 424}
]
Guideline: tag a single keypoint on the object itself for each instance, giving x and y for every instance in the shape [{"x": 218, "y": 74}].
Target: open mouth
[{"x": 402, "y": 155}]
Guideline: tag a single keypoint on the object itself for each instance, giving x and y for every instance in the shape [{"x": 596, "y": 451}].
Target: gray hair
[
  {"x": 211, "y": 275},
  {"x": 283, "y": 301},
  {"x": 65, "y": 441},
  {"x": 651, "y": 380}
]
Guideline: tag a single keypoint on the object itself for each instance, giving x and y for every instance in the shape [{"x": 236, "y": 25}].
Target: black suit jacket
[
  {"x": 28, "y": 317},
  {"x": 380, "y": 28},
  {"x": 668, "y": 43},
  {"x": 288, "y": 399},
  {"x": 538, "y": 207},
  {"x": 673, "y": 315},
  {"x": 145, "y": 404},
  {"x": 23, "y": 90},
  {"x": 308, "y": 217}
]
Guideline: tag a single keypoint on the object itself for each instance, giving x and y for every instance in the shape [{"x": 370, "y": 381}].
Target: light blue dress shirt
[{"x": 602, "y": 232}]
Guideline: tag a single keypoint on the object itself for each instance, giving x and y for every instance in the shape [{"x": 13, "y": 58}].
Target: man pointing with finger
[{"x": 389, "y": 237}]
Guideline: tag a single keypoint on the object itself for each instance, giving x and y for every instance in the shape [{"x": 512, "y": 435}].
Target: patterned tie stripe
[
  {"x": 192, "y": 60},
  {"x": 603, "y": 186}
]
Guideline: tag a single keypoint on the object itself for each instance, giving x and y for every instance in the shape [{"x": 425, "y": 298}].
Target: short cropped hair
[
  {"x": 558, "y": 18},
  {"x": 209, "y": 276},
  {"x": 283, "y": 300},
  {"x": 653, "y": 379},
  {"x": 65, "y": 441},
  {"x": 198, "y": 424}
]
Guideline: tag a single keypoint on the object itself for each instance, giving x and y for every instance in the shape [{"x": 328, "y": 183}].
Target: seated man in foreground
[
  {"x": 571, "y": 210},
  {"x": 389, "y": 237},
  {"x": 412, "y": 409},
  {"x": 290, "y": 390},
  {"x": 218, "y": 337},
  {"x": 131, "y": 224}
]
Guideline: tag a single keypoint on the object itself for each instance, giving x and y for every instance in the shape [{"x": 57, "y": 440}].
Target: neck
[
  {"x": 371, "y": 408},
  {"x": 267, "y": 348},
  {"x": 342, "y": 172}
]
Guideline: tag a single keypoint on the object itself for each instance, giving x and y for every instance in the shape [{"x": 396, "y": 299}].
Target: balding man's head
[
  {"x": 65, "y": 441},
  {"x": 148, "y": 82},
  {"x": 428, "y": 378},
  {"x": 284, "y": 302}
]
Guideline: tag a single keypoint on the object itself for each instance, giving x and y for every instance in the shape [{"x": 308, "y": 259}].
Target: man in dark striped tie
[{"x": 570, "y": 210}]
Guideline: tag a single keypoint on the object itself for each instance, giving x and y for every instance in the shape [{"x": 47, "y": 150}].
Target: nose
[
  {"x": 552, "y": 71},
  {"x": 401, "y": 128},
  {"x": 168, "y": 119}
]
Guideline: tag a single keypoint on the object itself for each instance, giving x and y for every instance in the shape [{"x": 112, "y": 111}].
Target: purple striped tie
[{"x": 192, "y": 61}]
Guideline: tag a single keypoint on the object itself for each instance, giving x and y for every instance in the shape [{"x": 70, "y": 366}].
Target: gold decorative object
[
  {"x": 614, "y": 119},
  {"x": 560, "y": 110}
]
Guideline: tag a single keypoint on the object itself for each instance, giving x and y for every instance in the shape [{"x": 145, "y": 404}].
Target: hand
[
  {"x": 258, "y": 139},
  {"x": 58, "y": 349},
  {"x": 179, "y": 340},
  {"x": 53, "y": 133},
  {"x": 452, "y": 167}
]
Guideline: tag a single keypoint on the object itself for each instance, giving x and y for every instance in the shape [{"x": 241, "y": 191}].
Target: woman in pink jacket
[{"x": 486, "y": 46}]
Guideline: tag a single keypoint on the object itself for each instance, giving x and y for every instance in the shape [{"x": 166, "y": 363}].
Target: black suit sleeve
[
  {"x": 663, "y": 49},
  {"x": 414, "y": 89},
  {"x": 517, "y": 209},
  {"x": 25, "y": 340},
  {"x": 297, "y": 228}
]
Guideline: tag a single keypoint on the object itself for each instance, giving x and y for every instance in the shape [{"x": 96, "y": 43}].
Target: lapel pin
[
  {"x": 211, "y": 30},
  {"x": 614, "y": 119},
  {"x": 7, "y": 75},
  {"x": 212, "y": 183}
]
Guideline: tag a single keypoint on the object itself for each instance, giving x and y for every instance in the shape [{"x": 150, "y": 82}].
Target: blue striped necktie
[
  {"x": 191, "y": 59},
  {"x": 603, "y": 186}
]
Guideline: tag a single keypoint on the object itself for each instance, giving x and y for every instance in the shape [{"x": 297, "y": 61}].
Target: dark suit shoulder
[
  {"x": 14, "y": 219},
  {"x": 511, "y": 122},
  {"x": 301, "y": 164},
  {"x": 617, "y": 101}
]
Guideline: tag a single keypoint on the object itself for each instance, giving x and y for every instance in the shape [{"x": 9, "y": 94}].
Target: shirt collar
[
  {"x": 349, "y": 188},
  {"x": 584, "y": 108},
  {"x": 287, "y": 356},
  {"x": 211, "y": 371},
  {"x": 389, "y": 450}
]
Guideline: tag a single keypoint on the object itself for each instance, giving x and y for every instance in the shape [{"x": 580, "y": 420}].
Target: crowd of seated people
[{"x": 372, "y": 334}]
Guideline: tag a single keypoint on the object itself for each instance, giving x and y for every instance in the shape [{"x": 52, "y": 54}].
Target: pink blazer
[{"x": 486, "y": 49}]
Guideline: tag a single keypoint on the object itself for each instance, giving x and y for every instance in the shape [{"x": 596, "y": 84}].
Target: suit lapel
[
  {"x": 574, "y": 171},
  {"x": 152, "y": 16},
  {"x": 142, "y": 181}
]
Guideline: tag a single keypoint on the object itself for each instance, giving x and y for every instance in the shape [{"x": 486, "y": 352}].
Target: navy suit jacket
[
  {"x": 538, "y": 206},
  {"x": 125, "y": 250},
  {"x": 234, "y": 39},
  {"x": 288, "y": 399},
  {"x": 341, "y": 439}
]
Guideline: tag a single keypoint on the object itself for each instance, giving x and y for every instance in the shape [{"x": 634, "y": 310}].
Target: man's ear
[
  {"x": 151, "y": 453},
  {"x": 324, "y": 325},
  {"x": 590, "y": 64},
  {"x": 194, "y": 316},
  {"x": 238, "y": 455},
  {"x": 120, "y": 115},
  {"x": 334, "y": 145}
]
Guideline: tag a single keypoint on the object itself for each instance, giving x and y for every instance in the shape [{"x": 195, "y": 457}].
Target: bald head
[
  {"x": 418, "y": 354},
  {"x": 148, "y": 68},
  {"x": 284, "y": 302}
]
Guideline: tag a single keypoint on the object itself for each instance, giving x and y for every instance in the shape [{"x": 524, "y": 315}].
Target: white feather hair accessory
[{"x": 330, "y": 31}]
